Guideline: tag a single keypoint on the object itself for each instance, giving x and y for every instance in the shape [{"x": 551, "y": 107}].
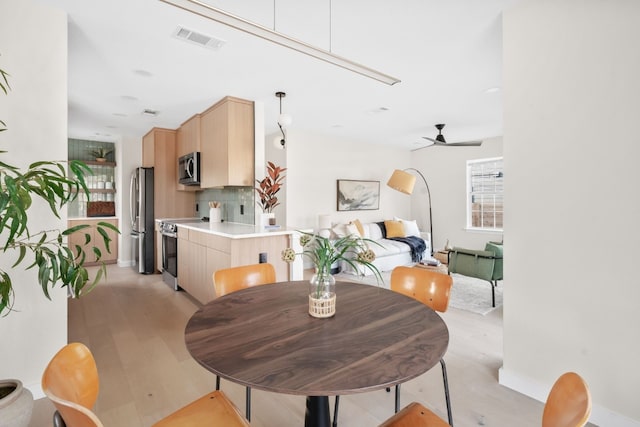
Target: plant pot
[
  {"x": 101, "y": 159},
  {"x": 322, "y": 295},
  {"x": 16, "y": 404},
  {"x": 265, "y": 217}
]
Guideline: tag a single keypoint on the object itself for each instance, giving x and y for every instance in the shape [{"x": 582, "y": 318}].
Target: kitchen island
[{"x": 204, "y": 248}]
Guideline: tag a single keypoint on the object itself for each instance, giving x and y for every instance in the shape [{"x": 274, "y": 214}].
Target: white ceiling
[{"x": 447, "y": 54}]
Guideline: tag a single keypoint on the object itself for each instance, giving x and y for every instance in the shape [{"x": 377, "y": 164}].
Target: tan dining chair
[
  {"x": 568, "y": 405},
  {"x": 233, "y": 279},
  {"x": 414, "y": 415},
  {"x": 432, "y": 289},
  {"x": 228, "y": 280},
  {"x": 71, "y": 382}
]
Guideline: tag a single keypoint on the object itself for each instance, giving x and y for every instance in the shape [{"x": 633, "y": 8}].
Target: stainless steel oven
[{"x": 169, "y": 232}]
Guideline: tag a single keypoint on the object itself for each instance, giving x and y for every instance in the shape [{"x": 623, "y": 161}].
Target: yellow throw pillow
[
  {"x": 359, "y": 226},
  {"x": 394, "y": 228}
]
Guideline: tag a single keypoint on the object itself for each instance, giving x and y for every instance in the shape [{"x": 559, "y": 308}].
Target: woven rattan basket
[
  {"x": 101, "y": 208},
  {"x": 322, "y": 307}
]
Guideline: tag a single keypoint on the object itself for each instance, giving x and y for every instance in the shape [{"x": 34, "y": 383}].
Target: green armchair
[{"x": 485, "y": 265}]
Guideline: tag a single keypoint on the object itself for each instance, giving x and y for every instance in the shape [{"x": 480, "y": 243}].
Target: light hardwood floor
[{"x": 134, "y": 325}]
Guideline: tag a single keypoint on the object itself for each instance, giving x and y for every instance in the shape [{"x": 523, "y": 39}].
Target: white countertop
[{"x": 235, "y": 230}]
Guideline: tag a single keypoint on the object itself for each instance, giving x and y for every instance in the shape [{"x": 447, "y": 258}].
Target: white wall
[
  {"x": 444, "y": 168},
  {"x": 314, "y": 164},
  {"x": 571, "y": 151},
  {"x": 35, "y": 112}
]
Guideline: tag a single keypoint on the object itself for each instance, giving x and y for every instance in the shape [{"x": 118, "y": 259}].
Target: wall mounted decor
[{"x": 358, "y": 195}]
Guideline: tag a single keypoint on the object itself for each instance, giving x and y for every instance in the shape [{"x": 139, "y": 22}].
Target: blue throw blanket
[{"x": 417, "y": 245}]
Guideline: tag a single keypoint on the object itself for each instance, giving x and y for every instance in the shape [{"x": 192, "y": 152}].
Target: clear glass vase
[{"x": 322, "y": 294}]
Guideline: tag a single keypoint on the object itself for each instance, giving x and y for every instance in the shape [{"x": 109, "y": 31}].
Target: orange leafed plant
[{"x": 269, "y": 187}]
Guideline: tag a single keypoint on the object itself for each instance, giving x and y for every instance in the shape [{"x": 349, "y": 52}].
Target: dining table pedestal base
[{"x": 317, "y": 414}]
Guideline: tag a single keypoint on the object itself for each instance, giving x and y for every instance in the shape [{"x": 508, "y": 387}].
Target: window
[{"x": 485, "y": 194}]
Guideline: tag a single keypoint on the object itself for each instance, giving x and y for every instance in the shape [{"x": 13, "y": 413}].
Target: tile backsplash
[{"x": 237, "y": 203}]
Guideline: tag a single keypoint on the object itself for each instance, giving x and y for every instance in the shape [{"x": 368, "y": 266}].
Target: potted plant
[
  {"x": 100, "y": 154},
  {"x": 268, "y": 189},
  {"x": 323, "y": 252}
]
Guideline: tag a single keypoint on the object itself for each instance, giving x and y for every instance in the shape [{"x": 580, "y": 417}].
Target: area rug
[{"x": 467, "y": 293}]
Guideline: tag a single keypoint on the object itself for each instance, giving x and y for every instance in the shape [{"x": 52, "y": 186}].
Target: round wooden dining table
[{"x": 264, "y": 338}]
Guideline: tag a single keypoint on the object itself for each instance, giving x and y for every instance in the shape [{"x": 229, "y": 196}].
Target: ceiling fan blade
[
  {"x": 465, "y": 143},
  {"x": 459, "y": 144}
]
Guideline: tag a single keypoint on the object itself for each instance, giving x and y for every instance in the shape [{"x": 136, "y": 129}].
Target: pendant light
[{"x": 284, "y": 120}]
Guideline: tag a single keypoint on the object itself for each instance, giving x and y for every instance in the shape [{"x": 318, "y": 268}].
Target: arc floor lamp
[{"x": 403, "y": 181}]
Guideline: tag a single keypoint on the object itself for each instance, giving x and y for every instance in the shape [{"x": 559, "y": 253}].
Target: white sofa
[{"x": 389, "y": 253}]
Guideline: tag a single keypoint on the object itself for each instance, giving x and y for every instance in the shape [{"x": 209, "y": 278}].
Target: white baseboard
[
  {"x": 125, "y": 263},
  {"x": 600, "y": 415}
]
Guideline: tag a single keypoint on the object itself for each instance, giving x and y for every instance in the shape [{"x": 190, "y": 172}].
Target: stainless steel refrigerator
[{"x": 142, "y": 226}]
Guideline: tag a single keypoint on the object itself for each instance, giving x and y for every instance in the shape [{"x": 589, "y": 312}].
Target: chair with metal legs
[
  {"x": 432, "y": 289},
  {"x": 233, "y": 279},
  {"x": 568, "y": 405}
]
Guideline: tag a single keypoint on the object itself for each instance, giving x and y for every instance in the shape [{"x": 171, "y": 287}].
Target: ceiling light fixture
[
  {"x": 284, "y": 120},
  {"x": 257, "y": 30}
]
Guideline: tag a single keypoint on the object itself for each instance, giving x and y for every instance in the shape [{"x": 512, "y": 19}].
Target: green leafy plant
[
  {"x": 269, "y": 187},
  {"x": 100, "y": 153},
  {"x": 324, "y": 252},
  {"x": 55, "y": 262}
]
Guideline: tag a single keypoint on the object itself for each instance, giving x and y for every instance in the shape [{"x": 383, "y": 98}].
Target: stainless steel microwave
[{"x": 189, "y": 169}]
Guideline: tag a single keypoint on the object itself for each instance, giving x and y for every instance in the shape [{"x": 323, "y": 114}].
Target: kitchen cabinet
[
  {"x": 227, "y": 144},
  {"x": 78, "y": 238},
  {"x": 201, "y": 253},
  {"x": 188, "y": 136},
  {"x": 195, "y": 275},
  {"x": 159, "y": 152}
]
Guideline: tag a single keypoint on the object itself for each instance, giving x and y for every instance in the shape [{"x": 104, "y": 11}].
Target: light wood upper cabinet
[
  {"x": 159, "y": 152},
  {"x": 227, "y": 144},
  {"x": 189, "y": 136}
]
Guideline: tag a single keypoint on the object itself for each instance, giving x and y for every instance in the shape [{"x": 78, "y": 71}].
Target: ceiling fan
[{"x": 439, "y": 140}]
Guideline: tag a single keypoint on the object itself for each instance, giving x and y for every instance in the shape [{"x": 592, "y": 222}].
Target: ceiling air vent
[
  {"x": 149, "y": 112},
  {"x": 200, "y": 39}
]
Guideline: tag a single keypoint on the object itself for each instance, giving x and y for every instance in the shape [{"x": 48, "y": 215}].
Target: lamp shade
[
  {"x": 285, "y": 120},
  {"x": 402, "y": 181}
]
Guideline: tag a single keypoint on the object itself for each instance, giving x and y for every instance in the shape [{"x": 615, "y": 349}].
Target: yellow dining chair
[
  {"x": 71, "y": 382},
  {"x": 233, "y": 279},
  {"x": 430, "y": 288},
  {"x": 568, "y": 405}
]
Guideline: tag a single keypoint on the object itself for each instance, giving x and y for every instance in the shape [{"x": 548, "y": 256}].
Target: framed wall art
[{"x": 358, "y": 195}]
